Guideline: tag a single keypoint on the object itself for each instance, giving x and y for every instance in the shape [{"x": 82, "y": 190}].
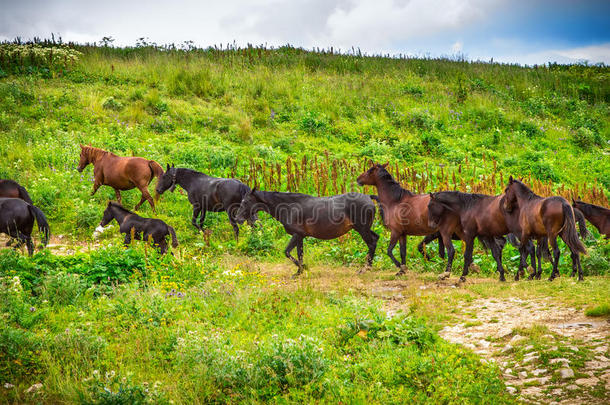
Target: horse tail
[
  {"x": 173, "y": 234},
  {"x": 569, "y": 230},
  {"x": 155, "y": 169},
  {"x": 513, "y": 240},
  {"x": 381, "y": 211},
  {"x": 23, "y": 194},
  {"x": 43, "y": 225},
  {"x": 582, "y": 224}
]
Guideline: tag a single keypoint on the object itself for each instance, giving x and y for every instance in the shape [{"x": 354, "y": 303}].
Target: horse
[
  {"x": 206, "y": 193},
  {"x": 133, "y": 225},
  {"x": 17, "y": 221},
  {"x": 598, "y": 216},
  {"x": 304, "y": 216},
  {"x": 12, "y": 189},
  {"x": 541, "y": 217},
  {"x": 470, "y": 216},
  {"x": 120, "y": 173},
  {"x": 403, "y": 212}
]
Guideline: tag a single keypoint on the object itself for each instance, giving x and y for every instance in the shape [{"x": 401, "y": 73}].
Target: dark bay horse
[
  {"x": 404, "y": 213},
  {"x": 120, "y": 173},
  {"x": 17, "y": 221},
  {"x": 12, "y": 189},
  {"x": 319, "y": 217},
  {"x": 598, "y": 216},
  {"x": 470, "y": 216},
  {"x": 541, "y": 217},
  {"x": 133, "y": 225},
  {"x": 206, "y": 193}
]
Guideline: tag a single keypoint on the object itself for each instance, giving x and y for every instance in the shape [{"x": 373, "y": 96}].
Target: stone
[
  {"x": 572, "y": 387},
  {"x": 484, "y": 343},
  {"x": 559, "y": 360},
  {"x": 531, "y": 357},
  {"x": 511, "y": 390},
  {"x": 34, "y": 388},
  {"x": 573, "y": 348},
  {"x": 504, "y": 332},
  {"x": 523, "y": 374},
  {"x": 587, "y": 382},
  {"x": 529, "y": 348},
  {"x": 508, "y": 371},
  {"x": 566, "y": 373},
  {"x": 507, "y": 349},
  {"x": 539, "y": 371},
  {"x": 516, "y": 339},
  {"x": 597, "y": 365}
]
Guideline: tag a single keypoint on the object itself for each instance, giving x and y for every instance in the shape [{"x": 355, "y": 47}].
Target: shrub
[
  {"x": 20, "y": 354},
  {"x": 198, "y": 83},
  {"x": 585, "y": 138},
  {"x": 405, "y": 151},
  {"x": 312, "y": 122},
  {"x": 113, "y": 104},
  {"x": 529, "y": 129},
  {"x": 63, "y": 288},
  {"x": 259, "y": 243}
]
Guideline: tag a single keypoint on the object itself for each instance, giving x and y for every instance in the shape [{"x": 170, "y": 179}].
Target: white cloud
[
  {"x": 457, "y": 47},
  {"x": 592, "y": 54}
]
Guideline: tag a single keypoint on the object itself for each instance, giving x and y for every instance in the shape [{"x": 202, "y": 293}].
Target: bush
[
  {"x": 312, "y": 122},
  {"x": 258, "y": 243},
  {"x": 63, "y": 288},
  {"x": 113, "y": 104},
  {"x": 585, "y": 138}
]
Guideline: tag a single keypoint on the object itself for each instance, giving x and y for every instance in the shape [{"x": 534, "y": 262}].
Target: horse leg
[
  {"x": 234, "y": 225},
  {"x": 553, "y": 243},
  {"x": 145, "y": 197},
  {"x": 538, "y": 272},
  {"x": 496, "y": 252},
  {"x": 447, "y": 243},
  {"x": 196, "y": 212},
  {"x": 467, "y": 257},
  {"x": 370, "y": 238},
  {"x": 118, "y": 195},
  {"x": 393, "y": 240},
  {"x": 300, "y": 254},
  {"x": 403, "y": 253},
  {"x": 291, "y": 245},
  {"x": 576, "y": 261},
  {"x": 428, "y": 239},
  {"x": 96, "y": 186},
  {"x": 127, "y": 240}
]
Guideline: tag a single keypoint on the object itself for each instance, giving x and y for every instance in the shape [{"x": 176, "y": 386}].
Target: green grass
[
  {"x": 599, "y": 310},
  {"x": 218, "y": 322}
]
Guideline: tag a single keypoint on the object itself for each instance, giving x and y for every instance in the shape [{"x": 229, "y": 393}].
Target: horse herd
[{"x": 518, "y": 214}]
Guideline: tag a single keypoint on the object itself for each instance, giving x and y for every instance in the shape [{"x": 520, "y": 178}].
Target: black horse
[
  {"x": 206, "y": 193},
  {"x": 17, "y": 221},
  {"x": 319, "y": 217},
  {"x": 133, "y": 225},
  {"x": 12, "y": 189}
]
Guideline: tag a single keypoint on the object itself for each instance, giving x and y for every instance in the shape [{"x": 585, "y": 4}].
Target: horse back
[{"x": 410, "y": 215}]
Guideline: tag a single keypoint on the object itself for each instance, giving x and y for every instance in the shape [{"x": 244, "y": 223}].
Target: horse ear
[
  {"x": 168, "y": 168},
  {"x": 173, "y": 166},
  {"x": 510, "y": 179}
]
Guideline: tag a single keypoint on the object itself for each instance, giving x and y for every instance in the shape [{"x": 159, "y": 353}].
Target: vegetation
[{"x": 109, "y": 325}]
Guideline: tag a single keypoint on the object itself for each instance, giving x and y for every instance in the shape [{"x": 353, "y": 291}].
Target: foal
[
  {"x": 140, "y": 228},
  {"x": 120, "y": 173},
  {"x": 319, "y": 217},
  {"x": 404, "y": 213},
  {"x": 598, "y": 216},
  {"x": 206, "y": 193},
  {"x": 541, "y": 217}
]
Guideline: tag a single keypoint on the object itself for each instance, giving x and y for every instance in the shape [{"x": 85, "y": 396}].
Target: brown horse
[
  {"x": 541, "y": 217},
  {"x": 470, "y": 216},
  {"x": 404, "y": 212},
  {"x": 120, "y": 173},
  {"x": 598, "y": 216}
]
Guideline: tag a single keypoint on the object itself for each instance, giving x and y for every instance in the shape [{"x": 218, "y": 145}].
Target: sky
[{"x": 512, "y": 31}]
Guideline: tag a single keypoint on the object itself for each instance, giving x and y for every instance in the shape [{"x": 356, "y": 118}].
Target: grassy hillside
[{"x": 217, "y": 322}]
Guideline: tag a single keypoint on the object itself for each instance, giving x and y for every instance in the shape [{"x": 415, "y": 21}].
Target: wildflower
[
  {"x": 32, "y": 309},
  {"x": 8, "y": 386}
]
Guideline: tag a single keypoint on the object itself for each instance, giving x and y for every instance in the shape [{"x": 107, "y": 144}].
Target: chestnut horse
[
  {"x": 541, "y": 217},
  {"x": 304, "y": 215},
  {"x": 470, "y": 216},
  {"x": 598, "y": 216},
  {"x": 120, "y": 173},
  {"x": 404, "y": 212}
]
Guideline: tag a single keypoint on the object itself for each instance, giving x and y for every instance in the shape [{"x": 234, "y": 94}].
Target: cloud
[
  {"x": 457, "y": 47},
  {"x": 591, "y": 54}
]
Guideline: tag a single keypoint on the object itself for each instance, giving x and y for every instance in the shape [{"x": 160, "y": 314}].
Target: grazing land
[{"x": 221, "y": 320}]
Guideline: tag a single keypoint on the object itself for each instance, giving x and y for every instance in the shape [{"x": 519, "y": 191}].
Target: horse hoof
[
  {"x": 400, "y": 273},
  {"x": 502, "y": 279},
  {"x": 581, "y": 279},
  {"x": 530, "y": 278},
  {"x": 462, "y": 279},
  {"x": 295, "y": 275},
  {"x": 538, "y": 277}
]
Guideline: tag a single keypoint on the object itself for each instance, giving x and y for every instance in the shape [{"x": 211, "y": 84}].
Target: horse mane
[
  {"x": 464, "y": 200},
  {"x": 119, "y": 206},
  {"x": 590, "y": 209},
  {"x": 396, "y": 190},
  {"x": 525, "y": 190},
  {"x": 274, "y": 196},
  {"x": 92, "y": 151}
]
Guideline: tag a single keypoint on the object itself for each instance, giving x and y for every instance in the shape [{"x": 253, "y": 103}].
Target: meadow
[{"x": 95, "y": 323}]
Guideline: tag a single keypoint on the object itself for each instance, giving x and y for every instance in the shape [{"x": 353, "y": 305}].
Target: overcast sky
[{"x": 521, "y": 31}]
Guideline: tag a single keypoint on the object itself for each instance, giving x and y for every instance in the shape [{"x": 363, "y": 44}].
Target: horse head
[
  {"x": 371, "y": 176},
  {"x": 247, "y": 209},
  {"x": 167, "y": 181},
  {"x": 84, "y": 159},
  {"x": 437, "y": 210}
]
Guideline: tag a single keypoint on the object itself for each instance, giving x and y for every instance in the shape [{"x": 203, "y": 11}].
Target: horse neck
[
  {"x": 524, "y": 193},
  {"x": 95, "y": 155},
  {"x": 267, "y": 204},
  {"x": 120, "y": 214},
  {"x": 184, "y": 178},
  {"x": 389, "y": 189}
]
